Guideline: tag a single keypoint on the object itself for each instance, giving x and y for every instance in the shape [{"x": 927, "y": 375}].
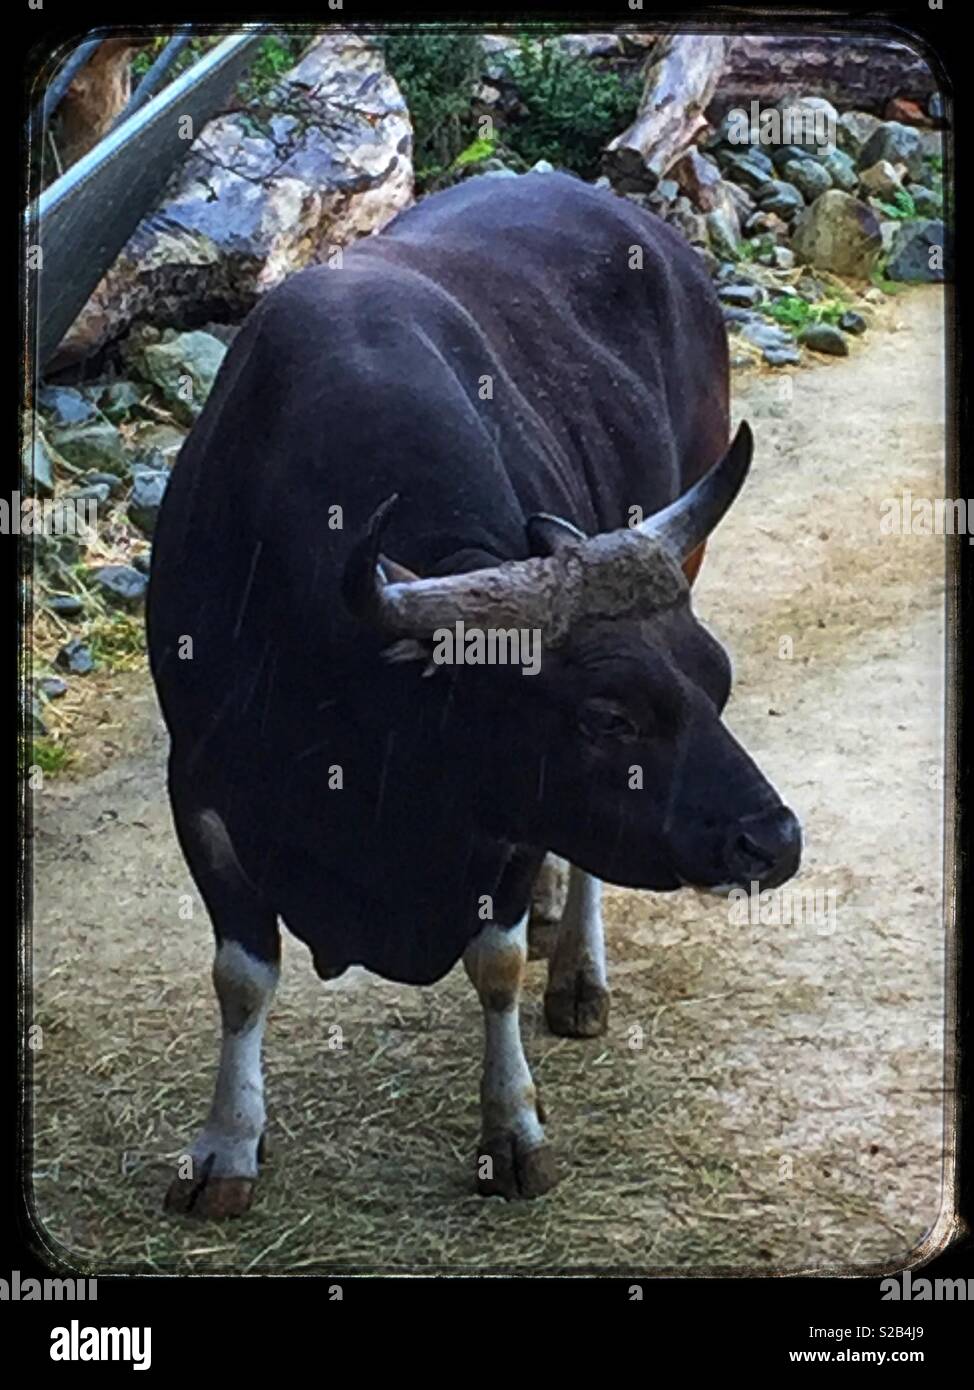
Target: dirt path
[{"x": 784, "y": 1110}]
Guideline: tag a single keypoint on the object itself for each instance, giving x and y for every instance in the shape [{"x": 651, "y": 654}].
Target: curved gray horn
[
  {"x": 688, "y": 521},
  {"x": 515, "y": 593}
]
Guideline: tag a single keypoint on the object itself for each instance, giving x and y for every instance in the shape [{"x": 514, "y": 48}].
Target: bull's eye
[{"x": 603, "y": 719}]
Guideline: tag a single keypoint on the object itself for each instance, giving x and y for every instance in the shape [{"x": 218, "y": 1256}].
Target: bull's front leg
[
  {"x": 576, "y": 1001},
  {"x": 513, "y": 1160}
]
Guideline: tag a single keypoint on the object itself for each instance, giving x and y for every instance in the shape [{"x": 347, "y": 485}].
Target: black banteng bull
[{"x": 508, "y": 411}]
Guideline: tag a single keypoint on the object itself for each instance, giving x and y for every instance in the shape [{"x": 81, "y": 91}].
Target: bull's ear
[
  {"x": 411, "y": 649},
  {"x": 547, "y": 533}
]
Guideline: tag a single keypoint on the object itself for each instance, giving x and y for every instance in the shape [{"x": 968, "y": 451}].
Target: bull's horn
[
  {"x": 688, "y": 521},
  {"x": 515, "y": 593}
]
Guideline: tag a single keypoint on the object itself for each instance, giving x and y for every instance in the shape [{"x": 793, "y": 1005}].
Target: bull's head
[{"x": 615, "y": 754}]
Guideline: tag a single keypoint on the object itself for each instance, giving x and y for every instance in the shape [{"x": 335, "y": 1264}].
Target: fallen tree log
[{"x": 681, "y": 78}]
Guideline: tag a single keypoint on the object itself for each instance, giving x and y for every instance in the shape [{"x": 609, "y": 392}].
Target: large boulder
[
  {"x": 261, "y": 195},
  {"x": 917, "y": 252},
  {"x": 838, "y": 233}
]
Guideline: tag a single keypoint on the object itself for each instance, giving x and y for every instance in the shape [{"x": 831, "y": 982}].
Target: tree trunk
[{"x": 681, "y": 78}]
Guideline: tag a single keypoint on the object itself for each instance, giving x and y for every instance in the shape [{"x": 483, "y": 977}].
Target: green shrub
[
  {"x": 437, "y": 74},
  {"x": 573, "y": 108},
  {"x": 49, "y": 756},
  {"x": 273, "y": 58},
  {"x": 794, "y": 313},
  {"x": 902, "y": 208}
]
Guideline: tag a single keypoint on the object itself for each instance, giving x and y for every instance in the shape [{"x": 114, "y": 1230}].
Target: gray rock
[
  {"x": 744, "y": 169},
  {"x": 813, "y": 120},
  {"x": 784, "y": 154},
  {"x": 37, "y": 465},
  {"x": 96, "y": 445},
  {"x": 935, "y": 106},
  {"x": 841, "y": 170},
  {"x": 148, "y": 490},
  {"x": 851, "y": 322},
  {"x": 881, "y": 180},
  {"x": 38, "y": 727},
  {"x": 767, "y": 335},
  {"x": 52, "y": 687},
  {"x": 184, "y": 368},
  {"x": 118, "y": 399},
  {"x": 808, "y": 176},
  {"x": 781, "y": 198},
  {"x": 544, "y": 166},
  {"x": 742, "y": 296},
  {"x": 931, "y": 145},
  {"x": 736, "y": 315},
  {"x": 122, "y": 585},
  {"x": 158, "y": 446},
  {"x": 731, "y": 197},
  {"x": 899, "y": 144},
  {"x": 913, "y": 246},
  {"x": 925, "y": 200},
  {"x": 65, "y": 406},
  {"x": 110, "y": 480},
  {"x": 838, "y": 233},
  {"x": 824, "y": 337},
  {"x": 75, "y": 657},
  {"x": 887, "y": 231},
  {"x": 854, "y": 129},
  {"x": 693, "y": 225},
  {"x": 65, "y": 605},
  {"x": 782, "y": 356},
  {"x": 725, "y": 237},
  {"x": 668, "y": 190}
]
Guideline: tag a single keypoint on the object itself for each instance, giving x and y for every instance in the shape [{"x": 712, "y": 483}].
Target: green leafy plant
[
  {"x": 476, "y": 151},
  {"x": 573, "y": 109},
  {"x": 794, "y": 313},
  {"x": 274, "y": 57},
  {"x": 49, "y": 756},
  {"x": 437, "y": 74},
  {"x": 879, "y": 278},
  {"x": 117, "y": 641},
  {"x": 902, "y": 208}
]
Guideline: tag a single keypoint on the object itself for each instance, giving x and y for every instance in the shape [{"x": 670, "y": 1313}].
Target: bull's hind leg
[
  {"x": 547, "y": 905},
  {"x": 576, "y": 1001},
  {"x": 514, "y": 1159},
  {"x": 217, "y": 1174}
]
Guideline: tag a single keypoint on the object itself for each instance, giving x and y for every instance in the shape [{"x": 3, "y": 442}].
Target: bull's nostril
[{"x": 751, "y": 851}]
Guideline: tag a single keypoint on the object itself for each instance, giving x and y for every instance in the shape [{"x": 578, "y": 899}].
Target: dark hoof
[
  {"x": 581, "y": 1011},
  {"x": 213, "y": 1199},
  {"x": 506, "y": 1168}
]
